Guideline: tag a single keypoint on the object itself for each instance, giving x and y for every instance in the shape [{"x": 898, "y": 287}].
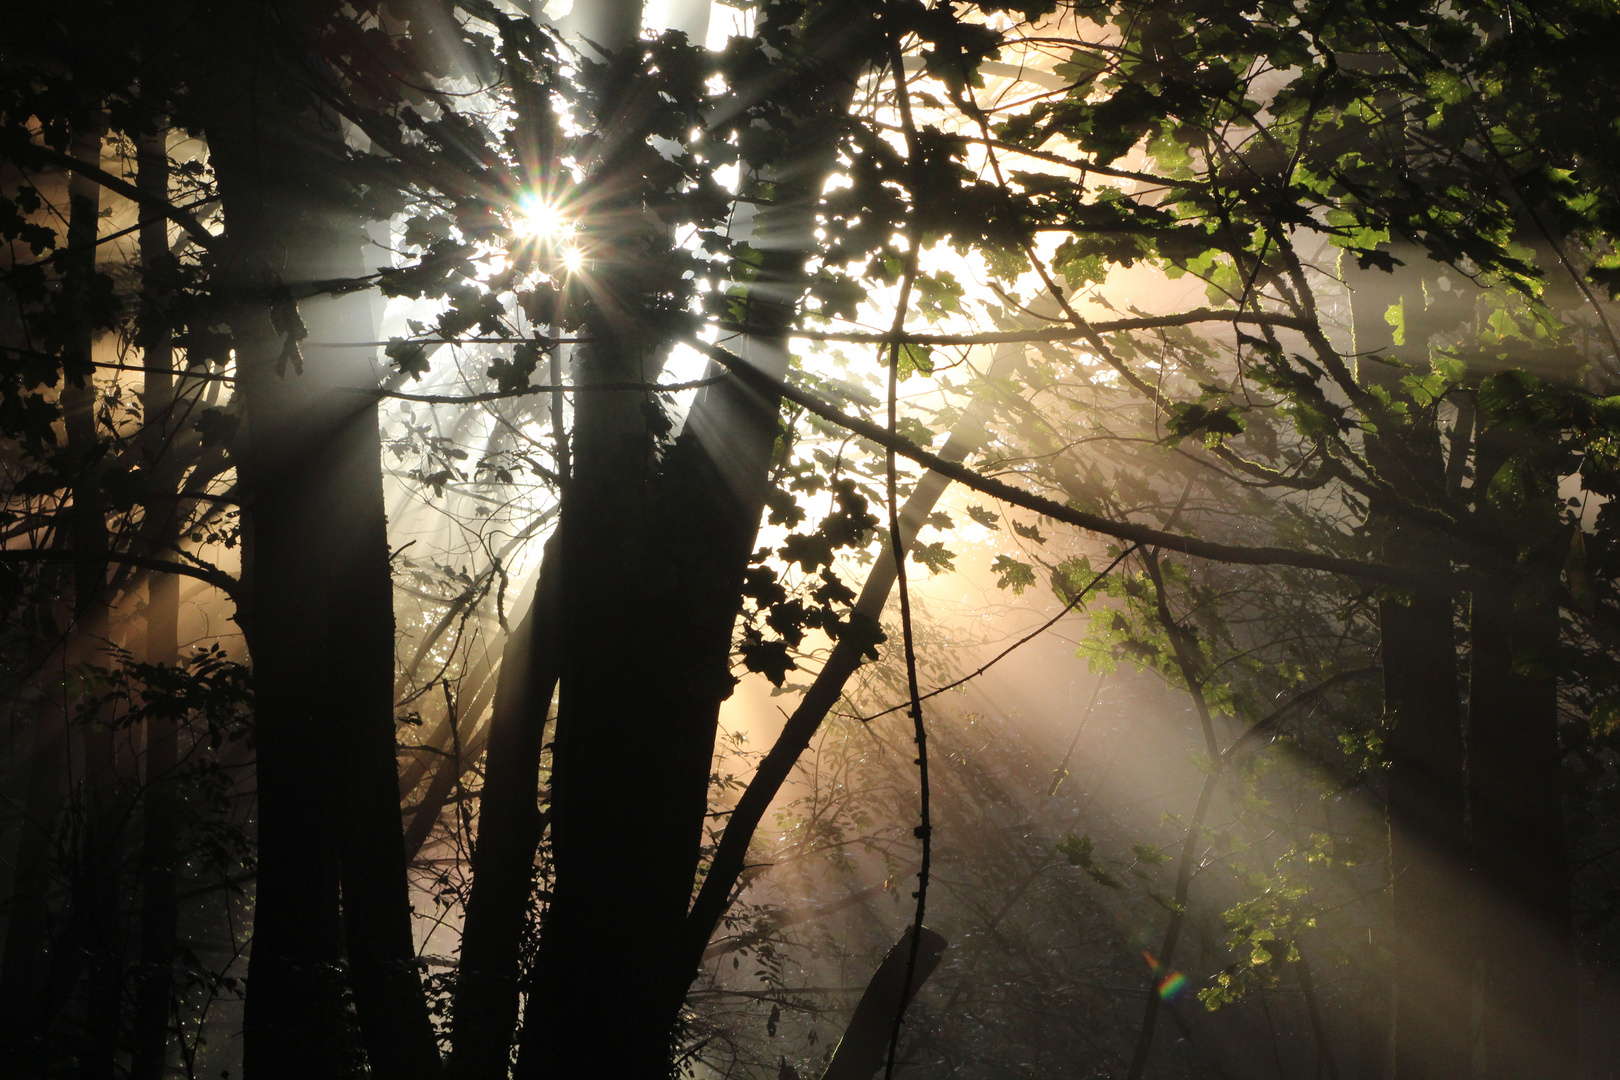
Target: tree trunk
[
  {"x": 655, "y": 560},
  {"x": 1432, "y": 965},
  {"x": 864, "y": 1047},
  {"x": 39, "y": 969},
  {"x": 92, "y": 939},
  {"x": 1521, "y": 860},
  {"x": 509, "y": 827},
  {"x": 1433, "y": 962},
  {"x": 25, "y": 963},
  {"x": 730, "y": 856},
  {"x": 159, "y": 870},
  {"x": 320, "y": 623},
  {"x": 294, "y": 1011}
]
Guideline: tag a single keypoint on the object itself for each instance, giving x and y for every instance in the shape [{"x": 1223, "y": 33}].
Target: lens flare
[
  {"x": 573, "y": 259},
  {"x": 539, "y": 219},
  {"x": 1172, "y": 985}
]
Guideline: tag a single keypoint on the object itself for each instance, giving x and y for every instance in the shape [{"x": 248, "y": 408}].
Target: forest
[{"x": 809, "y": 539}]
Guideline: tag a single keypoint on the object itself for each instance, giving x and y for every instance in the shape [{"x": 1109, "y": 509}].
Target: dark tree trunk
[
  {"x": 1372, "y": 1022},
  {"x": 320, "y": 619},
  {"x": 96, "y": 891},
  {"x": 1521, "y": 858},
  {"x": 25, "y": 963},
  {"x": 92, "y": 939},
  {"x": 865, "y": 1045},
  {"x": 655, "y": 554},
  {"x": 1432, "y": 963},
  {"x": 294, "y": 1013},
  {"x": 40, "y": 968},
  {"x": 509, "y": 827},
  {"x": 159, "y": 871}
]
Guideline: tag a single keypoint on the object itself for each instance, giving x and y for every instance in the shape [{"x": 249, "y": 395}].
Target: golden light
[
  {"x": 540, "y": 219},
  {"x": 573, "y": 259}
]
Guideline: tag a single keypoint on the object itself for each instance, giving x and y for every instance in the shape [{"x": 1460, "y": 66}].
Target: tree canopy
[{"x": 438, "y": 433}]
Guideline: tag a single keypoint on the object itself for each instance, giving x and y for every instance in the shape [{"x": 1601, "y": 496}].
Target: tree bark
[
  {"x": 294, "y": 1010},
  {"x": 39, "y": 969},
  {"x": 1433, "y": 962},
  {"x": 320, "y": 622},
  {"x": 655, "y": 556},
  {"x": 1521, "y": 861},
  {"x": 509, "y": 828},
  {"x": 1432, "y": 967},
  {"x": 159, "y": 867},
  {"x": 861, "y": 1052},
  {"x": 93, "y": 935}
]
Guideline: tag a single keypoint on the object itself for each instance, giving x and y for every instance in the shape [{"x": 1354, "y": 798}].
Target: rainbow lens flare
[{"x": 1172, "y": 985}]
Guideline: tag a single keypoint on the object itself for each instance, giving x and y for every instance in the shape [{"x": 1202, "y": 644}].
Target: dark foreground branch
[
  {"x": 1129, "y": 531},
  {"x": 217, "y": 578}
]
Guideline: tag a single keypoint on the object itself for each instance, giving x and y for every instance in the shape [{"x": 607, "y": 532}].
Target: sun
[{"x": 540, "y": 219}]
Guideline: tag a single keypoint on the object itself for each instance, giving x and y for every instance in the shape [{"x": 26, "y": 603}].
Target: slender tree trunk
[
  {"x": 967, "y": 436},
  {"x": 95, "y": 925},
  {"x": 25, "y": 963},
  {"x": 862, "y": 1050},
  {"x": 1433, "y": 963},
  {"x": 42, "y": 970},
  {"x": 38, "y": 968},
  {"x": 509, "y": 828},
  {"x": 1521, "y": 861},
  {"x": 1190, "y": 666},
  {"x": 294, "y": 1012},
  {"x": 154, "y": 989},
  {"x": 1372, "y": 1022},
  {"x": 462, "y": 744}
]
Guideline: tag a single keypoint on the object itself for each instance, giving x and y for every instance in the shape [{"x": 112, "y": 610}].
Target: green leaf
[
  {"x": 939, "y": 294},
  {"x": 810, "y": 552},
  {"x": 935, "y": 556},
  {"x": 914, "y": 359},
  {"x": 1081, "y": 67},
  {"x": 768, "y": 658},
  {"x": 1192, "y": 417},
  {"x": 1396, "y": 318},
  {"x": 512, "y": 376},
  {"x": 913, "y": 430},
  {"x": 1078, "y": 850},
  {"x": 1149, "y": 854},
  {"x": 1012, "y": 574},
  {"x": 863, "y": 632},
  {"x": 1605, "y": 715}
]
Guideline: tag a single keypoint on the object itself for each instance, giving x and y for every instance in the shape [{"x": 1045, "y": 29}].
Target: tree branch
[
  {"x": 1133, "y": 532},
  {"x": 1055, "y": 333},
  {"x": 163, "y": 206},
  {"x": 217, "y": 578}
]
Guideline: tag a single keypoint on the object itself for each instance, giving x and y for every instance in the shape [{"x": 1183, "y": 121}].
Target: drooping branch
[
  {"x": 1134, "y": 532},
  {"x": 157, "y": 203},
  {"x": 1055, "y": 333},
  {"x": 217, "y": 578}
]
